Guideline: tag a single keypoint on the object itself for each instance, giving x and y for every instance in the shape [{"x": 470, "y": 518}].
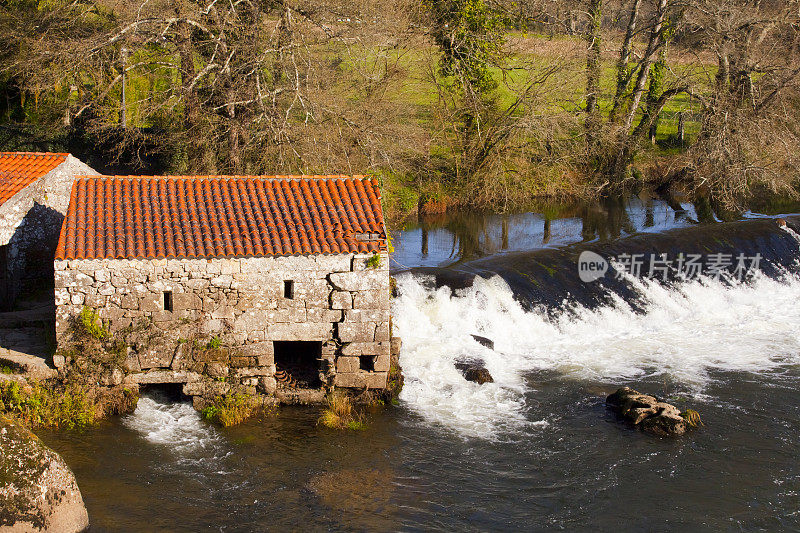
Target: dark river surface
[{"x": 535, "y": 450}]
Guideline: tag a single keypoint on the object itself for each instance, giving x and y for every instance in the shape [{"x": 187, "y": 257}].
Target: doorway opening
[{"x": 298, "y": 364}]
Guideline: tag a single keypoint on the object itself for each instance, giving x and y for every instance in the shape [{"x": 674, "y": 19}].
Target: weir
[
  {"x": 549, "y": 327},
  {"x": 548, "y": 276}
]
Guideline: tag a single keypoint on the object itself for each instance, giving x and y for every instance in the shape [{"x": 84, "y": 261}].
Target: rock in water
[
  {"x": 647, "y": 412},
  {"x": 38, "y": 491},
  {"x": 475, "y": 371},
  {"x": 483, "y": 341}
]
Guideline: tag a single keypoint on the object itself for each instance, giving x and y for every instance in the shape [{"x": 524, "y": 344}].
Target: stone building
[
  {"x": 34, "y": 194},
  {"x": 277, "y": 283}
]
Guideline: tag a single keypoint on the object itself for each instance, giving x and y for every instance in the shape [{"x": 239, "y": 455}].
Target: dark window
[
  {"x": 167, "y": 300},
  {"x": 288, "y": 289},
  {"x": 366, "y": 362}
]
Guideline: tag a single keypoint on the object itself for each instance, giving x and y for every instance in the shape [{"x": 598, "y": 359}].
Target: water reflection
[{"x": 440, "y": 240}]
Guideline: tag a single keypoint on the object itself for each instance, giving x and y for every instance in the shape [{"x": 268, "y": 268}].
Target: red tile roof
[
  {"x": 20, "y": 169},
  {"x": 221, "y": 216}
]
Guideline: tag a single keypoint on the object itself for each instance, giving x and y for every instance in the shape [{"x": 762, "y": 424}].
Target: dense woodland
[{"x": 461, "y": 102}]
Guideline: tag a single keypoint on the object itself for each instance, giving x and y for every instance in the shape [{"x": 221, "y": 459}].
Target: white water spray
[
  {"x": 685, "y": 332},
  {"x": 174, "y": 424}
]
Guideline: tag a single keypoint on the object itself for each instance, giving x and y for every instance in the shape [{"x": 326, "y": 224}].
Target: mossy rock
[{"x": 38, "y": 491}]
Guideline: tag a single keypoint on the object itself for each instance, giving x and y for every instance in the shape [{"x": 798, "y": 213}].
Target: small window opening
[
  {"x": 366, "y": 362},
  {"x": 167, "y": 300},
  {"x": 288, "y": 289}
]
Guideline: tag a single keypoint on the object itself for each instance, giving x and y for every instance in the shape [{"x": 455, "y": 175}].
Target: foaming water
[
  {"x": 176, "y": 425},
  {"x": 684, "y": 334}
]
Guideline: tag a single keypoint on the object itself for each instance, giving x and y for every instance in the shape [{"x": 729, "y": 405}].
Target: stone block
[
  {"x": 381, "y": 363},
  {"x": 299, "y": 332},
  {"x": 186, "y": 300},
  {"x": 61, "y": 297},
  {"x": 395, "y": 343},
  {"x": 217, "y": 370},
  {"x": 131, "y": 363},
  {"x": 356, "y": 331},
  {"x": 196, "y": 285},
  {"x": 360, "y": 380},
  {"x": 253, "y": 371},
  {"x": 164, "y": 376},
  {"x": 265, "y": 360},
  {"x": 230, "y": 266},
  {"x": 354, "y": 349},
  {"x": 333, "y": 263},
  {"x": 106, "y": 289},
  {"x": 222, "y": 281},
  {"x": 359, "y": 281},
  {"x": 347, "y": 364},
  {"x": 267, "y": 385},
  {"x": 325, "y": 315},
  {"x": 151, "y": 303},
  {"x": 365, "y": 261},
  {"x": 372, "y": 299},
  {"x": 366, "y": 315},
  {"x": 341, "y": 300},
  {"x": 155, "y": 358},
  {"x": 182, "y": 358},
  {"x": 296, "y": 314},
  {"x": 194, "y": 389},
  {"x": 129, "y": 301},
  {"x": 238, "y": 361},
  {"x": 257, "y": 349},
  {"x": 382, "y": 332},
  {"x": 223, "y": 312},
  {"x": 95, "y": 301}
]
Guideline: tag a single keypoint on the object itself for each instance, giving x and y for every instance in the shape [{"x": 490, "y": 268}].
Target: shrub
[
  {"x": 339, "y": 413},
  {"x": 230, "y": 409},
  {"x": 374, "y": 261},
  {"x": 215, "y": 343},
  {"x": 90, "y": 323},
  {"x": 37, "y": 405}
]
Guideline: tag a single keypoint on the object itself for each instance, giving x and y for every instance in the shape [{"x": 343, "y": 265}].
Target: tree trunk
[
  {"x": 624, "y": 150},
  {"x": 593, "y": 69},
  {"x": 623, "y": 63}
]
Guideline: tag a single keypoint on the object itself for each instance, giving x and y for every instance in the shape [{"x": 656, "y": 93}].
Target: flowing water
[{"x": 535, "y": 450}]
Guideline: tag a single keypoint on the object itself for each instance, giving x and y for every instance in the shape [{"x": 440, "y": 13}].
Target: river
[{"x": 535, "y": 450}]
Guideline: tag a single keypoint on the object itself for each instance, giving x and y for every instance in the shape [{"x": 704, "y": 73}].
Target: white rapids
[
  {"x": 174, "y": 424},
  {"x": 685, "y": 333}
]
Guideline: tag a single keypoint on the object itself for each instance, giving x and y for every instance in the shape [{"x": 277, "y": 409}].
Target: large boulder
[
  {"x": 38, "y": 491},
  {"x": 647, "y": 412},
  {"x": 474, "y": 370}
]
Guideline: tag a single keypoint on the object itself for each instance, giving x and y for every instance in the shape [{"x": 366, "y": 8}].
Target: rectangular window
[
  {"x": 167, "y": 300},
  {"x": 366, "y": 362},
  {"x": 288, "y": 289}
]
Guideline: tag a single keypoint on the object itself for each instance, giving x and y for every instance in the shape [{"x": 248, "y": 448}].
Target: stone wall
[
  {"x": 341, "y": 301},
  {"x": 30, "y": 223}
]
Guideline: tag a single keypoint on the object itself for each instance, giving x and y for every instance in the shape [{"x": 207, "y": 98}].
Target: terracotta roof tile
[
  {"x": 127, "y": 217},
  {"x": 20, "y": 169}
]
